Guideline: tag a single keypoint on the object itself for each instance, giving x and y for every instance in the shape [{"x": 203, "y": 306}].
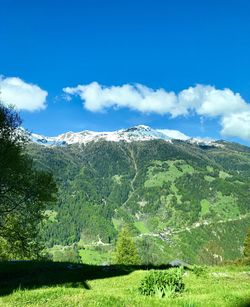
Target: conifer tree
[
  {"x": 246, "y": 248},
  {"x": 125, "y": 250}
]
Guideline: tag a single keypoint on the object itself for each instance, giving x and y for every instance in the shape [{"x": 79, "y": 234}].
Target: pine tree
[
  {"x": 125, "y": 250},
  {"x": 246, "y": 248}
]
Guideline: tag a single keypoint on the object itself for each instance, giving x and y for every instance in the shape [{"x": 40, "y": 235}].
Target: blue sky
[{"x": 168, "y": 45}]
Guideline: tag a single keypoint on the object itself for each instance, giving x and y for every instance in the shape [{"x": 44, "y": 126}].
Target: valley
[{"x": 175, "y": 196}]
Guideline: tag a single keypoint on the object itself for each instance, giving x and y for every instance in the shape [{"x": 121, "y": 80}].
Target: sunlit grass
[{"x": 220, "y": 286}]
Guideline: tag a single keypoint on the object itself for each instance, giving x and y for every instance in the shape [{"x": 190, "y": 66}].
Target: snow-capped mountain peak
[{"x": 136, "y": 133}]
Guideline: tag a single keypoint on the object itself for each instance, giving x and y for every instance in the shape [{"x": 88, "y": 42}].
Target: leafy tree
[
  {"x": 246, "y": 248},
  {"x": 125, "y": 250},
  {"x": 149, "y": 251},
  {"x": 24, "y": 191},
  {"x": 67, "y": 254}
]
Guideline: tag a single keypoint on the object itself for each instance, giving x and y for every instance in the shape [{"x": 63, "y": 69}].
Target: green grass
[
  {"x": 51, "y": 215},
  {"x": 117, "y": 179},
  {"x": 204, "y": 207},
  {"x": 161, "y": 172},
  {"x": 224, "y": 175},
  {"x": 226, "y": 206},
  {"x": 53, "y": 284},
  {"x": 141, "y": 227},
  {"x": 93, "y": 256},
  {"x": 210, "y": 169},
  {"x": 117, "y": 223},
  {"x": 209, "y": 178}
]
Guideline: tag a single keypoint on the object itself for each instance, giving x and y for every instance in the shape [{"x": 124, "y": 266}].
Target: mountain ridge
[{"x": 135, "y": 133}]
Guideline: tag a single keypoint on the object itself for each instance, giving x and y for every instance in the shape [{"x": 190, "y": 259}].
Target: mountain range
[
  {"x": 180, "y": 197},
  {"x": 132, "y": 134}
]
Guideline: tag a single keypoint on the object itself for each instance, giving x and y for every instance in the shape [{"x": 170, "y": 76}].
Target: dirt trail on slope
[{"x": 164, "y": 235}]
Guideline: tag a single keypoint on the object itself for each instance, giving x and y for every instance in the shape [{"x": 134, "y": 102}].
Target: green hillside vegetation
[{"x": 175, "y": 197}]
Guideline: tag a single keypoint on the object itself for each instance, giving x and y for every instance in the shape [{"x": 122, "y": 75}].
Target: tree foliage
[
  {"x": 246, "y": 248},
  {"x": 125, "y": 250},
  {"x": 24, "y": 191},
  {"x": 67, "y": 254}
]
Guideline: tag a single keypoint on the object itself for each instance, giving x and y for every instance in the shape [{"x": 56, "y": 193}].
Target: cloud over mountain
[
  {"x": 237, "y": 124},
  {"x": 24, "y": 96},
  {"x": 203, "y": 100}
]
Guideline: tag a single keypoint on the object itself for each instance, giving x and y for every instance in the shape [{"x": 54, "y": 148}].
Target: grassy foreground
[{"x": 64, "y": 284}]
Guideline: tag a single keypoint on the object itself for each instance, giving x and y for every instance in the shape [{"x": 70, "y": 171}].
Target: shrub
[
  {"x": 199, "y": 270},
  {"x": 162, "y": 283}
]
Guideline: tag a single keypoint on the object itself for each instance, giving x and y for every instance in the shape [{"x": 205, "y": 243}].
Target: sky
[{"x": 106, "y": 65}]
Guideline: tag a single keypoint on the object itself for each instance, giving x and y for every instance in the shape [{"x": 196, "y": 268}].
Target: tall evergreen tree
[
  {"x": 246, "y": 248},
  {"x": 125, "y": 250}
]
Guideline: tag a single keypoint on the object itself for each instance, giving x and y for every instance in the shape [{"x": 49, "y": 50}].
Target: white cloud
[
  {"x": 136, "y": 97},
  {"x": 204, "y": 100},
  {"x": 209, "y": 101},
  {"x": 237, "y": 125},
  {"x": 22, "y": 95}
]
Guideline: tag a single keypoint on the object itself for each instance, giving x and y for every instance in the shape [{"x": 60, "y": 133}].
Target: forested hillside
[{"x": 178, "y": 199}]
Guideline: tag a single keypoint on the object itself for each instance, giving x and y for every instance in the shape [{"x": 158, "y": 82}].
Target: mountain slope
[{"x": 176, "y": 197}]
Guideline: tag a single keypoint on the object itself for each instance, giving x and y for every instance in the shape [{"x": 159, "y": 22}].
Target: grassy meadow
[{"x": 64, "y": 284}]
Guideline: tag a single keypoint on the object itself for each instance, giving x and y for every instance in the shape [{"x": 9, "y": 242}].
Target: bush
[
  {"x": 162, "y": 283},
  {"x": 199, "y": 270}
]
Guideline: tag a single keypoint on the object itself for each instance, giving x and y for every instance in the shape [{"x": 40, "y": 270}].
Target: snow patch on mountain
[
  {"x": 174, "y": 134},
  {"x": 136, "y": 133}
]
